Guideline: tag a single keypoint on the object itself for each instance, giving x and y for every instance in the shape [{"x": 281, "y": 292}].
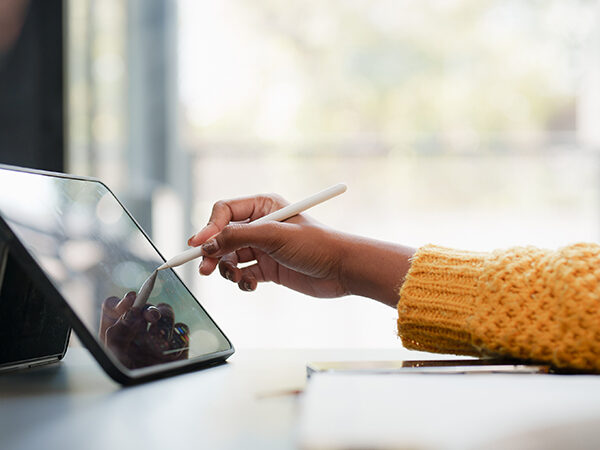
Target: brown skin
[
  {"x": 299, "y": 253},
  {"x": 142, "y": 336}
]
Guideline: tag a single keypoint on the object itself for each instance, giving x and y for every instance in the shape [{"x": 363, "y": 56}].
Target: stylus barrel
[{"x": 279, "y": 215}]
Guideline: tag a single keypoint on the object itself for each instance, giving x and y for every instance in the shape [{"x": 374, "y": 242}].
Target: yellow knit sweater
[{"x": 525, "y": 303}]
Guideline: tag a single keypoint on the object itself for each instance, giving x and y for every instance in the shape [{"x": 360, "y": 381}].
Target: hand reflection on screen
[{"x": 142, "y": 336}]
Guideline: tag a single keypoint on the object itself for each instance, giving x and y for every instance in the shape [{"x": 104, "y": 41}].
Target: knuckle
[
  {"x": 229, "y": 234},
  {"x": 277, "y": 200},
  {"x": 224, "y": 236},
  {"x": 219, "y": 207},
  {"x": 226, "y": 261},
  {"x": 271, "y": 202},
  {"x": 232, "y": 229}
]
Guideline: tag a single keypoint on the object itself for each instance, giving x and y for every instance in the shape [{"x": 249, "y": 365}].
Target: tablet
[
  {"x": 83, "y": 253},
  {"x": 443, "y": 366}
]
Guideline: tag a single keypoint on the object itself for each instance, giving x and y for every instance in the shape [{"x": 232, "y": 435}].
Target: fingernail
[
  {"x": 247, "y": 286},
  {"x": 189, "y": 241},
  {"x": 210, "y": 246},
  {"x": 229, "y": 275},
  {"x": 127, "y": 299}
]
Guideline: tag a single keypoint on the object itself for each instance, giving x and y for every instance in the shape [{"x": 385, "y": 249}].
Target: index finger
[
  {"x": 112, "y": 309},
  {"x": 236, "y": 210}
]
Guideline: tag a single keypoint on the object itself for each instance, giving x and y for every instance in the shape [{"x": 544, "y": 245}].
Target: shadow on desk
[
  {"x": 51, "y": 379},
  {"x": 42, "y": 377}
]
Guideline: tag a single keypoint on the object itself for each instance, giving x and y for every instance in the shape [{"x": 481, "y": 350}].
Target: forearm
[
  {"x": 374, "y": 269},
  {"x": 523, "y": 302}
]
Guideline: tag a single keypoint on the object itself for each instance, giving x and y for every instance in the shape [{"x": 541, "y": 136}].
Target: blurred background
[{"x": 465, "y": 123}]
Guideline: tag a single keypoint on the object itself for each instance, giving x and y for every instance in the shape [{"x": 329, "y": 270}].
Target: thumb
[{"x": 267, "y": 237}]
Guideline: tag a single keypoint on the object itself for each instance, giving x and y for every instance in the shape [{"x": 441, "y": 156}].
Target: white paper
[{"x": 449, "y": 411}]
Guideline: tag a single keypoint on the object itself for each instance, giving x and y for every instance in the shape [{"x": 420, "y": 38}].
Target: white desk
[
  {"x": 74, "y": 405},
  {"x": 242, "y": 405},
  {"x": 451, "y": 412}
]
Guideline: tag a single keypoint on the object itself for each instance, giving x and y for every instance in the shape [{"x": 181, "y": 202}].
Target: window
[{"x": 464, "y": 123}]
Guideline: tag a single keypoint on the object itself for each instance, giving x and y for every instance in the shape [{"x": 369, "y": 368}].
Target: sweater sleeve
[{"x": 525, "y": 303}]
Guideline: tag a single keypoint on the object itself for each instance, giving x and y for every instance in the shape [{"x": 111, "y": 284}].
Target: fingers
[
  {"x": 167, "y": 313},
  {"x": 120, "y": 335},
  {"x": 247, "y": 278},
  {"x": 163, "y": 328},
  {"x": 112, "y": 309},
  {"x": 151, "y": 314},
  {"x": 126, "y": 303},
  {"x": 236, "y": 210},
  {"x": 207, "y": 266},
  {"x": 228, "y": 263},
  {"x": 267, "y": 237},
  {"x": 142, "y": 336},
  {"x": 133, "y": 320},
  {"x": 243, "y": 243},
  {"x": 108, "y": 316},
  {"x": 228, "y": 267},
  {"x": 250, "y": 278},
  {"x": 209, "y": 230},
  {"x": 110, "y": 303}
]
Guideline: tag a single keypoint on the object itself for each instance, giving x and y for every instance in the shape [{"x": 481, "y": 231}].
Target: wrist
[{"x": 374, "y": 269}]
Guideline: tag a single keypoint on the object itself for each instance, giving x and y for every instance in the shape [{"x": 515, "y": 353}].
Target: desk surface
[
  {"x": 247, "y": 404},
  {"x": 240, "y": 405}
]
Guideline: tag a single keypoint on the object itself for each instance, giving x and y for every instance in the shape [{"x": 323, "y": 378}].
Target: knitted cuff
[{"x": 437, "y": 298}]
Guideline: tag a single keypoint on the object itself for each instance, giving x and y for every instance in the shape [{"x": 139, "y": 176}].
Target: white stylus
[{"x": 279, "y": 215}]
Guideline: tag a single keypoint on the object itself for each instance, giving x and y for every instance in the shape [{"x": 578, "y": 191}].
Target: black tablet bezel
[{"x": 108, "y": 362}]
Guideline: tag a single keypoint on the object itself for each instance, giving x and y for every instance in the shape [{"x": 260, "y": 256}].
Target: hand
[
  {"x": 298, "y": 253},
  {"x": 145, "y": 336}
]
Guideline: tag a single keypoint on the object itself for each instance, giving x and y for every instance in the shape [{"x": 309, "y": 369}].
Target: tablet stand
[{"x": 32, "y": 330}]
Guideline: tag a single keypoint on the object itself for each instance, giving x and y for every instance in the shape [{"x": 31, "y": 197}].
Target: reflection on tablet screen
[{"x": 98, "y": 258}]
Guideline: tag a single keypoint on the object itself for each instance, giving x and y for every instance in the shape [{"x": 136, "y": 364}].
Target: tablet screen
[{"x": 94, "y": 253}]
